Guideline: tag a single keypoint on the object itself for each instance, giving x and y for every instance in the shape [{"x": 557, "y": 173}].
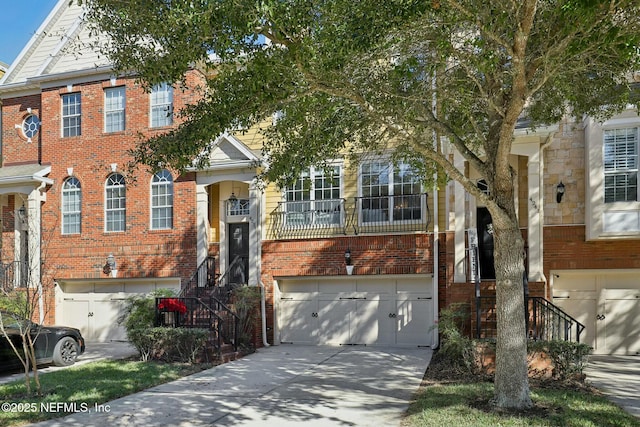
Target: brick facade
[{"x": 140, "y": 252}]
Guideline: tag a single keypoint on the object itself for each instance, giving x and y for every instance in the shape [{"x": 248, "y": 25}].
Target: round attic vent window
[{"x": 30, "y": 126}]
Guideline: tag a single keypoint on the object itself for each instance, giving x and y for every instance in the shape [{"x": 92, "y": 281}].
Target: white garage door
[
  {"x": 356, "y": 311},
  {"x": 607, "y": 303},
  {"x": 94, "y": 308}
]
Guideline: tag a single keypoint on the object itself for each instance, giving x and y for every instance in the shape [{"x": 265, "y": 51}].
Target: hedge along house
[{"x": 74, "y": 220}]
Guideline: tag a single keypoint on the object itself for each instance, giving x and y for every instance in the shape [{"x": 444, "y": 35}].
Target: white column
[
  {"x": 202, "y": 223},
  {"x": 254, "y": 234},
  {"x": 459, "y": 272},
  {"x": 535, "y": 217}
]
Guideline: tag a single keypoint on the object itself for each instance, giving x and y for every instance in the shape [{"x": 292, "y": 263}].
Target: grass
[
  {"x": 465, "y": 402},
  {"x": 89, "y": 384}
]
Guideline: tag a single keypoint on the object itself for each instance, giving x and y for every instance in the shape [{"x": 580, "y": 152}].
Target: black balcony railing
[
  {"x": 310, "y": 218},
  {"x": 326, "y": 218},
  {"x": 544, "y": 320}
]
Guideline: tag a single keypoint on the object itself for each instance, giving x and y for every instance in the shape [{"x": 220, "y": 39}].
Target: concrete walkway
[
  {"x": 278, "y": 386},
  {"x": 619, "y": 378}
]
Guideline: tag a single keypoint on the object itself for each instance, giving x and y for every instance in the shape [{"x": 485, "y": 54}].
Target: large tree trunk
[{"x": 511, "y": 378}]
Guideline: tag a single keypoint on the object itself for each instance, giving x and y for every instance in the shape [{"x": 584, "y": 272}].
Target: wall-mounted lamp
[
  {"x": 348, "y": 261},
  {"x": 559, "y": 192},
  {"x": 110, "y": 266}
]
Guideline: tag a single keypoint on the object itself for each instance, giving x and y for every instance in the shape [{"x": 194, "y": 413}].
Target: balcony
[{"x": 360, "y": 215}]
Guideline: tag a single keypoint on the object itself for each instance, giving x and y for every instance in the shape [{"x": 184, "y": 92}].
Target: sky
[{"x": 19, "y": 20}]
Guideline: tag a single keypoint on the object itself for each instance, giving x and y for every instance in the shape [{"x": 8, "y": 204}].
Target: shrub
[
  {"x": 568, "y": 358},
  {"x": 169, "y": 344},
  {"x": 457, "y": 347},
  {"x": 246, "y": 299}
]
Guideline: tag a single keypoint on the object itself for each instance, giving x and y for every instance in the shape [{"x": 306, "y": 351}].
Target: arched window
[
  {"x": 115, "y": 206},
  {"x": 71, "y": 206},
  {"x": 162, "y": 201}
]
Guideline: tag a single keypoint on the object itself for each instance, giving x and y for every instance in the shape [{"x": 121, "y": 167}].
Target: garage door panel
[
  {"x": 75, "y": 313},
  {"x": 372, "y": 324},
  {"x": 414, "y": 320},
  {"x": 360, "y": 310},
  {"x": 299, "y": 325},
  {"x": 105, "y": 321},
  {"x": 622, "y": 323},
  {"x": 334, "y": 317},
  {"x": 582, "y": 307}
]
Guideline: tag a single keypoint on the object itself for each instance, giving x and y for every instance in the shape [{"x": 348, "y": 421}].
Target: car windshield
[{"x": 13, "y": 321}]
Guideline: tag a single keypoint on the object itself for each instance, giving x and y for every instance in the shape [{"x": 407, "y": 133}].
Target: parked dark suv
[{"x": 59, "y": 345}]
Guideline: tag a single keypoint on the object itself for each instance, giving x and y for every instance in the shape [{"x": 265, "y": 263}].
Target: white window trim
[
  {"x": 121, "y": 111},
  {"x": 312, "y": 171},
  {"x": 64, "y": 213},
  {"x": 600, "y": 216},
  {"x": 391, "y": 168},
  {"x": 63, "y": 116},
  {"x": 152, "y": 207},
  {"x": 107, "y": 210},
  {"x": 169, "y": 106}
]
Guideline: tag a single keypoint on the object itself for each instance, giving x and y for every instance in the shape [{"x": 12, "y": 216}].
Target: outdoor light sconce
[
  {"x": 348, "y": 262},
  {"x": 110, "y": 267},
  {"x": 559, "y": 192}
]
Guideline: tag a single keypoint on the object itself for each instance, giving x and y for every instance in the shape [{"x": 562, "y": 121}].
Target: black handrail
[
  {"x": 544, "y": 320},
  {"x": 192, "y": 312},
  {"x": 203, "y": 277}
]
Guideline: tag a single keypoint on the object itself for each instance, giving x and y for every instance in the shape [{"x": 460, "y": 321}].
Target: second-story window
[
  {"x": 315, "y": 198},
  {"x": 115, "y": 203},
  {"x": 71, "y": 115},
  {"x": 114, "y": 109},
  {"x": 389, "y": 193},
  {"x": 162, "y": 201},
  {"x": 161, "y": 105},
  {"x": 71, "y": 206},
  {"x": 621, "y": 165}
]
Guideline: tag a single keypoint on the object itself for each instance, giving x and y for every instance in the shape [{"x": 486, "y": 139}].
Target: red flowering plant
[{"x": 172, "y": 304}]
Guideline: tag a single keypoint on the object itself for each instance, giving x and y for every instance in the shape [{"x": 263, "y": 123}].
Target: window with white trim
[
  {"x": 162, "y": 201},
  {"x": 315, "y": 198},
  {"x": 114, "y": 109},
  {"x": 71, "y": 206},
  {"x": 71, "y": 115},
  {"x": 389, "y": 193},
  {"x": 161, "y": 105},
  {"x": 621, "y": 165},
  {"x": 115, "y": 203}
]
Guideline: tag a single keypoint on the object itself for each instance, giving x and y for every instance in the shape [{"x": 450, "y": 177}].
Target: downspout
[
  {"x": 436, "y": 228},
  {"x": 436, "y": 244}
]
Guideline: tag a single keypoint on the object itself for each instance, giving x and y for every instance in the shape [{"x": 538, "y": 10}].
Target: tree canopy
[{"x": 389, "y": 76}]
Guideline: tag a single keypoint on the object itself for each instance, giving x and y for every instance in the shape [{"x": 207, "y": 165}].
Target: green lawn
[
  {"x": 84, "y": 385},
  {"x": 466, "y": 404}
]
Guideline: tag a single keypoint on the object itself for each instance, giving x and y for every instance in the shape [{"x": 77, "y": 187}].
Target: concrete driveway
[
  {"x": 278, "y": 386},
  {"x": 619, "y": 378}
]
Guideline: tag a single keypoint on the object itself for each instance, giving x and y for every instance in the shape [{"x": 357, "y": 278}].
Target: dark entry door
[
  {"x": 238, "y": 261},
  {"x": 485, "y": 244}
]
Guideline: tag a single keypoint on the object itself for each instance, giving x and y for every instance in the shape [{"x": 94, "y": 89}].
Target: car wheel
[{"x": 65, "y": 352}]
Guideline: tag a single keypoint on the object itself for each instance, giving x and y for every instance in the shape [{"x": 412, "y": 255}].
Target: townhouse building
[{"x": 356, "y": 254}]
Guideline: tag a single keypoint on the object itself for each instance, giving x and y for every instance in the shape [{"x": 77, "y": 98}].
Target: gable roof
[
  {"x": 59, "y": 49},
  {"x": 228, "y": 152}
]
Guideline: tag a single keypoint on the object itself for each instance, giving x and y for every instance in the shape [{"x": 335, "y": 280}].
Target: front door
[
  {"x": 485, "y": 244},
  {"x": 238, "y": 260}
]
